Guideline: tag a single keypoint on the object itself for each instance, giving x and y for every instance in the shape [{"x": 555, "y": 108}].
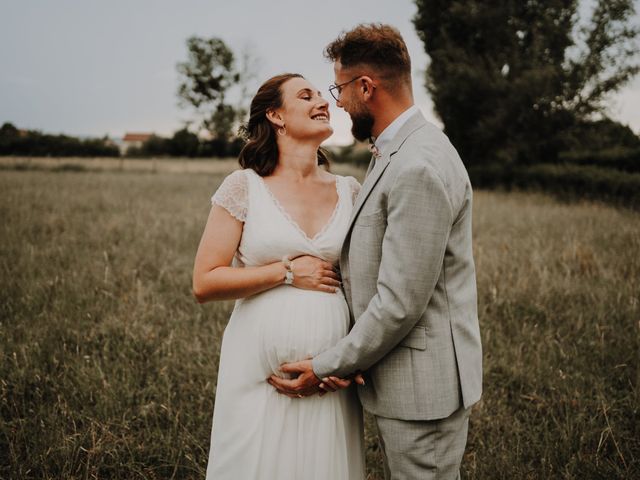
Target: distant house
[{"x": 133, "y": 140}]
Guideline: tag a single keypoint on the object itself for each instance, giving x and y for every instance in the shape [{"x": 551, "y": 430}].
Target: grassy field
[
  {"x": 217, "y": 166},
  {"x": 139, "y": 165},
  {"x": 108, "y": 365}
]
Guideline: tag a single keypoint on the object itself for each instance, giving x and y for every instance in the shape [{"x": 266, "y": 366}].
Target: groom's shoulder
[
  {"x": 429, "y": 148},
  {"x": 426, "y": 146},
  {"x": 428, "y": 137}
]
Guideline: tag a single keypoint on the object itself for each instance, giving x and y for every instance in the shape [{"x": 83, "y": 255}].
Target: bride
[{"x": 272, "y": 241}]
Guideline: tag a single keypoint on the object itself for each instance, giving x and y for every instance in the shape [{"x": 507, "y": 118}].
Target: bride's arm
[{"x": 215, "y": 279}]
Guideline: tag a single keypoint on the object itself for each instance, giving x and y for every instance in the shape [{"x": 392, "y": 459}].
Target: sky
[{"x": 96, "y": 68}]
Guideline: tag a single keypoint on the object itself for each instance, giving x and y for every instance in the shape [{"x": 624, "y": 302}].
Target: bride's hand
[{"x": 313, "y": 273}]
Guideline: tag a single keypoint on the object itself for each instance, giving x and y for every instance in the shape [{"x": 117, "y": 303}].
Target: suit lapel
[
  {"x": 414, "y": 123},
  {"x": 372, "y": 164},
  {"x": 369, "y": 182}
]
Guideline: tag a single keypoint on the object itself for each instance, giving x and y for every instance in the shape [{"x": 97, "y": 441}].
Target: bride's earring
[{"x": 282, "y": 131}]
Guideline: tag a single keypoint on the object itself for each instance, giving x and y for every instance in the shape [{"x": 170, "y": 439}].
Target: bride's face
[{"x": 304, "y": 113}]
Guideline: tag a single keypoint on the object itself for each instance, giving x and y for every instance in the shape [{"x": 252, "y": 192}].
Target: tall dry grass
[{"x": 109, "y": 366}]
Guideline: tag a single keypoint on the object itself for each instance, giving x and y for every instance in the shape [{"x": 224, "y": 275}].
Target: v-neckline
[{"x": 290, "y": 219}]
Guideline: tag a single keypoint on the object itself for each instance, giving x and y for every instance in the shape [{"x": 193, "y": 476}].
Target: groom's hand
[
  {"x": 332, "y": 384},
  {"x": 306, "y": 383}
]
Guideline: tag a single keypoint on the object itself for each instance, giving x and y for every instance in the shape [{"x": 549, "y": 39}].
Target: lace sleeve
[
  {"x": 232, "y": 195},
  {"x": 354, "y": 187}
]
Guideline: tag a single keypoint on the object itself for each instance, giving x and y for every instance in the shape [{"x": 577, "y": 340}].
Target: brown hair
[
  {"x": 260, "y": 153},
  {"x": 374, "y": 44}
]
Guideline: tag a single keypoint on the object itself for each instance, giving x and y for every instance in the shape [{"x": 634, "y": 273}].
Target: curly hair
[{"x": 373, "y": 44}]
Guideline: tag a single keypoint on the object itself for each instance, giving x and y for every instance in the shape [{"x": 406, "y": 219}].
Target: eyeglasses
[{"x": 338, "y": 88}]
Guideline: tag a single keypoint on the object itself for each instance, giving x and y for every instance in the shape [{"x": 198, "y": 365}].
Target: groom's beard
[{"x": 362, "y": 123}]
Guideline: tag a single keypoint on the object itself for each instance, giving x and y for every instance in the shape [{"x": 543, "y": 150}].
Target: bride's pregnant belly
[{"x": 289, "y": 324}]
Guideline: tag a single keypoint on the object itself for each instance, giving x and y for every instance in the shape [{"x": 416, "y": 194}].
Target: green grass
[{"x": 108, "y": 365}]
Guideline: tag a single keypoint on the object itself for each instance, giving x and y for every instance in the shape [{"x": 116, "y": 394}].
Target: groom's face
[{"x": 351, "y": 102}]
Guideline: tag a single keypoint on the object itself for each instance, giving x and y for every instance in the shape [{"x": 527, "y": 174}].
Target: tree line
[
  {"x": 183, "y": 143},
  {"x": 521, "y": 87},
  {"x": 36, "y": 144}
]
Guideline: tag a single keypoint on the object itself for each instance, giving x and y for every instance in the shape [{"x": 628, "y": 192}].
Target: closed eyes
[{"x": 307, "y": 94}]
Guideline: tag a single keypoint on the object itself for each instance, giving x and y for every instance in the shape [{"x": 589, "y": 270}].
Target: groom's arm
[{"x": 419, "y": 219}]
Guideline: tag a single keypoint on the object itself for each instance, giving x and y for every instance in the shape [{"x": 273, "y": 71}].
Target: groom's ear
[
  {"x": 275, "y": 118},
  {"x": 367, "y": 87}
]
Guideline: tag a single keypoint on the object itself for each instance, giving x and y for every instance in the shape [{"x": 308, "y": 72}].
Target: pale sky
[{"x": 85, "y": 67}]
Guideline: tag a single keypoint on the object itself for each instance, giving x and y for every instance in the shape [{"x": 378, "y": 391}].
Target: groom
[{"x": 407, "y": 270}]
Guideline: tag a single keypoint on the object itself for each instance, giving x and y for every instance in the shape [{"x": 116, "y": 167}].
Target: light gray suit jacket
[{"x": 409, "y": 279}]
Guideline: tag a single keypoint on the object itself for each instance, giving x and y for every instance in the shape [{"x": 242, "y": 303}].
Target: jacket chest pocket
[
  {"x": 370, "y": 219},
  {"x": 366, "y": 239}
]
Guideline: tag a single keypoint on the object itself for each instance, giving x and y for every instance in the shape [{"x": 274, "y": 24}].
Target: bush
[
  {"x": 619, "y": 158},
  {"x": 578, "y": 181},
  {"x": 565, "y": 180}
]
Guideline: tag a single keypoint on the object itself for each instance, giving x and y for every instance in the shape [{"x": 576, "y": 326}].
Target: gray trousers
[{"x": 423, "y": 449}]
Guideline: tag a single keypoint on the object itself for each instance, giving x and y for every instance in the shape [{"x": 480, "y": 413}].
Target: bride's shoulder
[
  {"x": 346, "y": 179},
  {"x": 232, "y": 194},
  {"x": 238, "y": 175},
  {"x": 352, "y": 181},
  {"x": 238, "y": 179},
  {"x": 351, "y": 184}
]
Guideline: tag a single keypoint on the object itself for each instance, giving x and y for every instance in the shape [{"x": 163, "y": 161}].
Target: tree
[
  {"x": 183, "y": 144},
  {"x": 9, "y": 136},
  {"x": 8, "y": 130},
  {"x": 207, "y": 76},
  {"x": 510, "y": 78}
]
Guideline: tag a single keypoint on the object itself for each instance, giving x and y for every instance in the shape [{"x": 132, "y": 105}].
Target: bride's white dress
[{"x": 258, "y": 433}]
